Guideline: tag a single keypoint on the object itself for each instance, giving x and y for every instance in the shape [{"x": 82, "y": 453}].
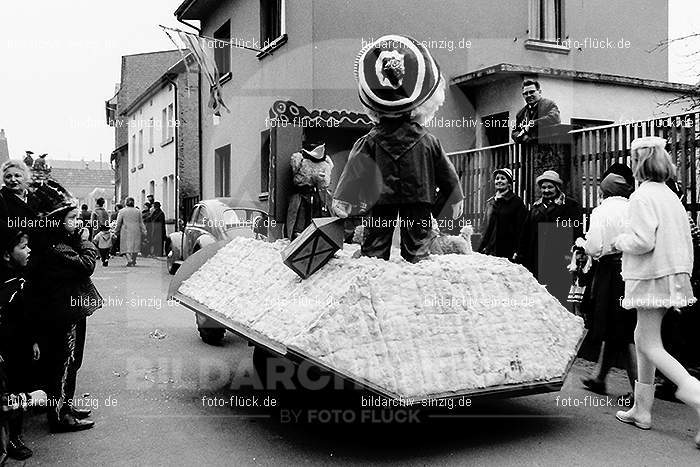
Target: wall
[
  {"x": 160, "y": 163},
  {"x": 188, "y": 135},
  {"x": 255, "y": 86}
]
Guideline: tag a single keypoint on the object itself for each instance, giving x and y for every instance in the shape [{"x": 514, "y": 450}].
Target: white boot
[
  {"x": 689, "y": 393},
  {"x": 640, "y": 413}
]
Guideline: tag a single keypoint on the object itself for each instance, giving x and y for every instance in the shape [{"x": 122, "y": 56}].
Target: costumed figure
[
  {"x": 312, "y": 176},
  {"x": 398, "y": 169},
  {"x": 40, "y": 168}
]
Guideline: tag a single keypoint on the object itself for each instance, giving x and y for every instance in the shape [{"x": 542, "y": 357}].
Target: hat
[
  {"x": 9, "y": 238},
  {"x": 317, "y": 154},
  {"x": 29, "y": 152},
  {"x": 648, "y": 142},
  {"x": 396, "y": 74},
  {"x": 621, "y": 169},
  {"x": 48, "y": 197},
  {"x": 44, "y": 155},
  {"x": 505, "y": 172},
  {"x": 615, "y": 185},
  {"x": 550, "y": 176}
]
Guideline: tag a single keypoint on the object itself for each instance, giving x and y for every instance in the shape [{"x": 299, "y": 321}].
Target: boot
[
  {"x": 689, "y": 393},
  {"x": 640, "y": 413},
  {"x": 68, "y": 422},
  {"x": 16, "y": 448}
]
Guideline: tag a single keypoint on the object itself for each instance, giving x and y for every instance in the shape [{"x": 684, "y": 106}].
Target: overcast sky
[{"x": 61, "y": 59}]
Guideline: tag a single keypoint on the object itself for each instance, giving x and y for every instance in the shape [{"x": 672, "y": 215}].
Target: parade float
[{"x": 449, "y": 326}]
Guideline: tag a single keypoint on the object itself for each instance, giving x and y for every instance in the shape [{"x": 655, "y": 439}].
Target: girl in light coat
[{"x": 657, "y": 260}]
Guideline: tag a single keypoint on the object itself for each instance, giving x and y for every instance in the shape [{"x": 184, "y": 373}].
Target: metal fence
[{"x": 583, "y": 158}]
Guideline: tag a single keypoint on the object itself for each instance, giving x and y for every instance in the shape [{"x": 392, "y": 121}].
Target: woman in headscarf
[{"x": 610, "y": 322}]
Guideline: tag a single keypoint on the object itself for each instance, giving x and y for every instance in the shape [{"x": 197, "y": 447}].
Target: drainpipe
[
  {"x": 176, "y": 116},
  {"x": 199, "y": 113}
]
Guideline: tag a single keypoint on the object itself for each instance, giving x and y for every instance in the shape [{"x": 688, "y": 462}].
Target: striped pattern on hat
[{"x": 396, "y": 74}]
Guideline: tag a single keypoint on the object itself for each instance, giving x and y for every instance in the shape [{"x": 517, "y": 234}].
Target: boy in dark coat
[
  {"x": 398, "y": 167},
  {"x": 505, "y": 216},
  {"x": 17, "y": 343}
]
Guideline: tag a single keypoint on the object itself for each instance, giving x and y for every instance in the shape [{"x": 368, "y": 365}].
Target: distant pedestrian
[
  {"x": 146, "y": 240},
  {"x": 85, "y": 215},
  {"x": 657, "y": 260},
  {"x": 157, "y": 234},
  {"x": 100, "y": 216},
  {"x": 113, "y": 228},
  {"x": 28, "y": 159},
  {"x": 611, "y": 324},
  {"x": 131, "y": 231},
  {"x": 103, "y": 240},
  {"x": 505, "y": 217}
]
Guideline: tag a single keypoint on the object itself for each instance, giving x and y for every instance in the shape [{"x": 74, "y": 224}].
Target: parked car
[{"x": 214, "y": 220}]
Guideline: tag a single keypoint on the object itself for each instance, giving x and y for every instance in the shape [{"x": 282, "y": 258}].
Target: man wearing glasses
[{"x": 538, "y": 113}]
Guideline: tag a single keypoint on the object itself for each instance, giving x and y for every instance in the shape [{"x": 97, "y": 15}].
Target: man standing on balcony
[
  {"x": 538, "y": 113},
  {"x": 505, "y": 216}
]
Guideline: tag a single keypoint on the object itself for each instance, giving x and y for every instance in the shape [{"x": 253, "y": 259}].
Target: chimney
[{"x": 4, "y": 151}]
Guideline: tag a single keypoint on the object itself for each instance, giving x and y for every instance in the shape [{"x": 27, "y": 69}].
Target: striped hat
[{"x": 396, "y": 74}]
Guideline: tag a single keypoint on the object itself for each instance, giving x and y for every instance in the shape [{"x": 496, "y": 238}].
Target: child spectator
[
  {"x": 103, "y": 240},
  {"x": 17, "y": 346}
]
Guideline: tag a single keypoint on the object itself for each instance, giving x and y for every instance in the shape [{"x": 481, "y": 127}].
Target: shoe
[
  {"x": 130, "y": 264},
  {"x": 689, "y": 393},
  {"x": 104, "y": 263},
  {"x": 17, "y": 450},
  {"x": 69, "y": 423},
  {"x": 594, "y": 385},
  {"x": 640, "y": 413},
  {"x": 80, "y": 413}
]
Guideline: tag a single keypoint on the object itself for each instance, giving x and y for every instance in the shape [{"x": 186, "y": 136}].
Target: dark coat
[
  {"x": 61, "y": 280},
  {"x": 17, "y": 331},
  {"x": 397, "y": 162},
  {"x": 12, "y": 208},
  {"x": 505, "y": 217},
  {"x": 543, "y": 114},
  {"x": 99, "y": 218},
  {"x": 549, "y": 224}
]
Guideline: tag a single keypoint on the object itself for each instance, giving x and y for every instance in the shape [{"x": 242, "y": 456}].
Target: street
[{"x": 160, "y": 396}]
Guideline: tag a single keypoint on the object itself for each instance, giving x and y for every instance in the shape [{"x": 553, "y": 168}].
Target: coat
[
  {"x": 131, "y": 230},
  {"x": 99, "y": 217},
  {"x": 542, "y": 115},
  {"x": 13, "y": 209},
  {"x": 505, "y": 217},
  {"x": 62, "y": 285},
  {"x": 398, "y": 162}
]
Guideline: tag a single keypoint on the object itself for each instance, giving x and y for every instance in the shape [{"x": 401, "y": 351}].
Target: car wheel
[{"x": 212, "y": 336}]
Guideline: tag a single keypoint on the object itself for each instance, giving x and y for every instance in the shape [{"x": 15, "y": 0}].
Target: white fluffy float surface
[{"x": 449, "y": 324}]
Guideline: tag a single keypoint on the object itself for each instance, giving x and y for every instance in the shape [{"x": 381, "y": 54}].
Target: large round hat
[
  {"x": 396, "y": 74},
  {"x": 49, "y": 197}
]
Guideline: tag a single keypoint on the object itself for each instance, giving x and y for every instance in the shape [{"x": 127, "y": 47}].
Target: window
[
  {"x": 164, "y": 126},
  {"x": 140, "y": 147},
  {"x": 152, "y": 188},
  {"x": 164, "y": 196},
  {"x": 171, "y": 121},
  {"x": 143, "y": 197},
  {"x": 222, "y": 171},
  {"x": 222, "y": 52},
  {"x": 272, "y": 23},
  {"x": 132, "y": 150},
  {"x": 150, "y": 135},
  {"x": 546, "y": 20},
  {"x": 265, "y": 161},
  {"x": 171, "y": 193}
]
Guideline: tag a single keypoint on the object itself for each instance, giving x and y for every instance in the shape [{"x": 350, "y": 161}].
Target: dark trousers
[
  {"x": 415, "y": 226},
  {"x": 104, "y": 254},
  {"x": 64, "y": 354}
]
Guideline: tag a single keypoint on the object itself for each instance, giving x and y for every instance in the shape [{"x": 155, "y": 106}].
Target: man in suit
[{"x": 537, "y": 114}]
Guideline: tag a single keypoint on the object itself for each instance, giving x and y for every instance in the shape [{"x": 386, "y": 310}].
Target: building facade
[
  {"x": 591, "y": 57},
  {"x": 138, "y": 72}
]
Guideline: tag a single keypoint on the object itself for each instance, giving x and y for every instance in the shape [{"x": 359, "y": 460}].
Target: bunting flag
[{"x": 198, "y": 47}]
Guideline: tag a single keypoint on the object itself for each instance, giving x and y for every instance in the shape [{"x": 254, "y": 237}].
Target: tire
[{"x": 212, "y": 336}]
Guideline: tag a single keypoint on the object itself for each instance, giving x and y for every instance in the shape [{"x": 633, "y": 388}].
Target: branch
[{"x": 662, "y": 45}]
